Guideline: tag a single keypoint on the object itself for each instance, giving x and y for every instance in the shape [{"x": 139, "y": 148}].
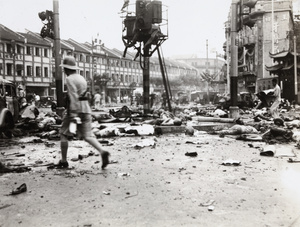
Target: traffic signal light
[
  {"x": 142, "y": 26},
  {"x": 143, "y": 10},
  {"x": 48, "y": 28},
  {"x": 239, "y": 11},
  {"x": 147, "y": 13}
]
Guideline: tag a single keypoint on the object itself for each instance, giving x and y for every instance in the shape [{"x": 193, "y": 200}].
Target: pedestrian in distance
[
  {"x": 21, "y": 97},
  {"x": 97, "y": 100},
  {"x": 37, "y": 100},
  {"x": 277, "y": 99},
  {"x": 77, "y": 110}
]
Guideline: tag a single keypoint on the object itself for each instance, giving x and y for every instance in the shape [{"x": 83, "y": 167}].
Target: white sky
[{"x": 191, "y": 22}]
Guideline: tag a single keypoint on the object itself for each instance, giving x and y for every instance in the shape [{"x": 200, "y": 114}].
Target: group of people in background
[
  {"x": 25, "y": 99},
  {"x": 79, "y": 105},
  {"x": 97, "y": 100}
]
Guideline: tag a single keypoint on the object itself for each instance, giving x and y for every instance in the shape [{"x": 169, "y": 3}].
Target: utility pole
[
  {"x": 143, "y": 30},
  {"x": 295, "y": 69},
  {"x": 233, "y": 109},
  {"x": 227, "y": 57},
  {"x": 93, "y": 70},
  {"x": 58, "y": 71},
  {"x": 207, "y": 91},
  {"x": 207, "y": 56},
  {"x": 272, "y": 24},
  {"x": 146, "y": 80}
]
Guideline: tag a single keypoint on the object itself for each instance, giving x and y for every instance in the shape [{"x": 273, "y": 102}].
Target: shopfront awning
[
  {"x": 291, "y": 66},
  {"x": 274, "y": 68},
  {"x": 281, "y": 54}
]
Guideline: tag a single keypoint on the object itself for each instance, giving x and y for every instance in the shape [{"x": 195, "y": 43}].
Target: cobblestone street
[{"x": 153, "y": 186}]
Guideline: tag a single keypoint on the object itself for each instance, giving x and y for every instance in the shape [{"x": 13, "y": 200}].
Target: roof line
[
  {"x": 37, "y": 36},
  {"x": 68, "y": 44},
  {"x": 79, "y": 44},
  {"x": 6, "y": 28}
]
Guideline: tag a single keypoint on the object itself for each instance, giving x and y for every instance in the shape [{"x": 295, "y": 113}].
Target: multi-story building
[
  {"x": 266, "y": 33},
  {"x": 37, "y": 64},
  {"x": 12, "y": 55},
  {"x": 28, "y": 60},
  {"x": 211, "y": 65}
]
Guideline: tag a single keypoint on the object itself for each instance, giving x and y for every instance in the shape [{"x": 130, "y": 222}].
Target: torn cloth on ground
[
  {"x": 142, "y": 130},
  {"x": 239, "y": 129},
  {"x": 278, "y": 151},
  {"x": 249, "y": 137},
  {"x": 145, "y": 143}
]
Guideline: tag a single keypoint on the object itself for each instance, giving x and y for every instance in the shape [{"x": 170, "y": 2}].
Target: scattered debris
[
  {"x": 231, "y": 162},
  {"x": 5, "y": 206},
  {"x": 256, "y": 145},
  {"x": 124, "y": 174},
  {"x": 208, "y": 203},
  {"x": 189, "y": 130},
  {"x": 278, "y": 151},
  {"x": 250, "y": 137},
  {"x": 238, "y": 130},
  {"x": 197, "y": 142},
  {"x": 145, "y": 143},
  {"x": 191, "y": 154},
  {"x": 293, "y": 160},
  {"x": 284, "y": 151},
  {"x": 22, "y": 188},
  {"x": 22, "y": 169},
  {"x": 113, "y": 162},
  {"x": 106, "y": 193},
  {"x": 211, "y": 208},
  {"x": 268, "y": 150}
]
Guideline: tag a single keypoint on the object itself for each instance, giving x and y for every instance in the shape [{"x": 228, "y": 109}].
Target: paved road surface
[{"x": 153, "y": 186}]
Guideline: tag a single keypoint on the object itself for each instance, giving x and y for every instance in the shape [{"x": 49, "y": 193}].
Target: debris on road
[
  {"x": 249, "y": 137},
  {"x": 145, "y": 143},
  {"x": 268, "y": 150},
  {"x": 189, "y": 130},
  {"x": 21, "y": 169},
  {"x": 238, "y": 130},
  {"x": 231, "y": 162},
  {"x": 284, "y": 151},
  {"x": 191, "y": 154},
  {"x": 124, "y": 174},
  {"x": 5, "y": 206},
  {"x": 208, "y": 203},
  {"x": 277, "y": 151},
  {"x": 106, "y": 193},
  {"x": 22, "y": 188},
  {"x": 211, "y": 208},
  {"x": 293, "y": 160}
]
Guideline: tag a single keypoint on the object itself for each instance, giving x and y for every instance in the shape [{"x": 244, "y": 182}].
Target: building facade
[
  {"x": 268, "y": 29},
  {"x": 28, "y": 60},
  {"x": 214, "y": 66}
]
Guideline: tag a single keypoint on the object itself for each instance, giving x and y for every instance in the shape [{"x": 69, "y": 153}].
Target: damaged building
[{"x": 266, "y": 43}]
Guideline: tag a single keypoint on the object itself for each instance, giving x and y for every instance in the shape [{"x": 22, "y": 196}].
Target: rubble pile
[
  {"x": 126, "y": 121},
  {"x": 277, "y": 137}
]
